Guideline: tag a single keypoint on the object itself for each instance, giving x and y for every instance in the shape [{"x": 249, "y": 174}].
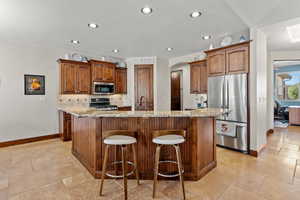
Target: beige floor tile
[
  {"x": 4, "y": 194},
  {"x": 48, "y": 192},
  {"x": 90, "y": 190},
  {"x": 48, "y": 170},
  {"x": 235, "y": 193},
  {"x": 272, "y": 189},
  {"x": 77, "y": 179}
]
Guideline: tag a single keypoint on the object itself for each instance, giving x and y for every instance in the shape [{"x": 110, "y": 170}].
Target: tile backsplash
[{"x": 83, "y": 100}]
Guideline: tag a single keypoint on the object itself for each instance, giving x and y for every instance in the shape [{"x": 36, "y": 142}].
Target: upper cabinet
[
  {"x": 121, "y": 81},
  {"x": 233, "y": 59},
  {"x": 74, "y": 77},
  {"x": 103, "y": 71},
  {"x": 237, "y": 60},
  {"x": 216, "y": 63},
  {"x": 198, "y": 78}
]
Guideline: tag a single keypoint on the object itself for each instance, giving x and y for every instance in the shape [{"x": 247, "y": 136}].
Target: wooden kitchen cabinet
[
  {"x": 65, "y": 126},
  {"x": 233, "y": 59},
  {"x": 294, "y": 115},
  {"x": 74, "y": 77},
  {"x": 83, "y": 79},
  {"x": 198, "y": 78},
  {"x": 237, "y": 59},
  {"x": 68, "y": 78},
  {"x": 121, "y": 81},
  {"x": 103, "y": 71},
  {"x": 216, "y": 63}
]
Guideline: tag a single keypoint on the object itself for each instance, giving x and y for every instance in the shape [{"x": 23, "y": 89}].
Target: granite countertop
[{"x": 90, "y": 112}]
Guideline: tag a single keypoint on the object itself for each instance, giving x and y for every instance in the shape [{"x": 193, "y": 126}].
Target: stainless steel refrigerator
[{"x": 230, "y": 91}]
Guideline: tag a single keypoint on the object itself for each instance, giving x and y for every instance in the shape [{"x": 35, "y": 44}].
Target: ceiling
[
  {"x": 286, "y": 63},
  {"x": 122, "y": 26},
  {"x": 278, "y": 37}
]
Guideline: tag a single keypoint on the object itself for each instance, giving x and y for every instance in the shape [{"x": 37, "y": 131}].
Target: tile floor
[{"x": 47, "y": 170}]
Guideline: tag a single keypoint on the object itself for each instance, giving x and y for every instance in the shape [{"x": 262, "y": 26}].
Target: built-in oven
[{"x": 103, "y": 88}]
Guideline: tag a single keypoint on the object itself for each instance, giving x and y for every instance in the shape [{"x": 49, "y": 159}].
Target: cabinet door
[
  {"x": 294, "y": 116},
  {"x": 195, "y": 79},
  {"x": 83, "y": 79},
  {"x": 97, "y": 72},
  {"x": 109, "y": 72},
  {"x": 203, "y": 79},
  {"x": 237, "y": 60},
  {"x": 68, "y": 78},
  {"x": 68, "y": 129},
  {"x": 121, "y": 81},
  {"x": 216, "y": 63}
]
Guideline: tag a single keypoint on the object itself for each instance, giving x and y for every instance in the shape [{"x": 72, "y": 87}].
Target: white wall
[
  {"x": 163, "y": 84},
  {"x": 258, "y": 89},
  {"x": 27, "y": 116}
]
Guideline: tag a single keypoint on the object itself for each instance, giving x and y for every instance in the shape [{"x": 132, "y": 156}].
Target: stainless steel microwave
[{"x": 103, "y": 88}]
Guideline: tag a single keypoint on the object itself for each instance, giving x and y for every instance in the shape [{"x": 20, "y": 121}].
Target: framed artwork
[{"x": 34, "y": 84}]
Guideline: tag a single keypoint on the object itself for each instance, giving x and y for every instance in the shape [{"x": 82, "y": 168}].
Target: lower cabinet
[
  {"x": 65, "y": 126},
  {"x": 294, "y": 115}
]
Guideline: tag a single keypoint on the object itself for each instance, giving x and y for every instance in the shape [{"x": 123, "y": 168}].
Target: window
[{"x": 287, "y": 85}]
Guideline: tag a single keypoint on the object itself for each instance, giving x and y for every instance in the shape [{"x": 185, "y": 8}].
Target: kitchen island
[{"x": 198, "y": 151}]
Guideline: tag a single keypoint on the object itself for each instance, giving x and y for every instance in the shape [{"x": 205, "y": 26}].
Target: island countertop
[{"x": 90, "y": 112}]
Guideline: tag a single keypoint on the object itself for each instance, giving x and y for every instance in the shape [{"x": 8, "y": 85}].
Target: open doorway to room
[
  {"x": 176, "y": 90},
  {"x": 286, "y": 93}
]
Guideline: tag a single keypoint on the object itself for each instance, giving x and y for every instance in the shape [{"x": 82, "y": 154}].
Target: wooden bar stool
[
  {"x": 121, "y": 138},
  {"x": 173, "y": 138}
]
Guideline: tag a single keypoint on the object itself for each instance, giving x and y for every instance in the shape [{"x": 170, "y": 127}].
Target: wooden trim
[
  {"x": 29, "y": 140},
  {"x": 270, "y": 132},
  {"x": 232, "y": 45},
  {"x": 197, "y": 61},
  {"x": 256, "y": 153},
  {"x": 104, "y": 62},
  {"x": 72, "y": 61},
  {"x": 121, "y": 68}
]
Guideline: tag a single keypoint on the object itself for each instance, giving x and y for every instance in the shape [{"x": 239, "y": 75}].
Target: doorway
[
  {"x": 286, "y": 93},
  {"x": 176, "y": 90},
  {"x": 143, "y": 87}
]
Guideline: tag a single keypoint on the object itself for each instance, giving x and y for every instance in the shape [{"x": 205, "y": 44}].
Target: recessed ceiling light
[
  {"x": 195, "y": 14},
  {"x": 206, "y": 37},
  {"x": 169, "y": 49},
  {"x": 75, "y": 41},
  {"x": 146, "y": 10},
  {"x": 115, "y": 50},
  {"x": 294, "y": 32},
  {"x": 93, "y": 25}
]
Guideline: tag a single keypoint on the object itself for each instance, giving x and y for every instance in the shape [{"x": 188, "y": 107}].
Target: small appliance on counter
[{"x": 102, "y": 104}]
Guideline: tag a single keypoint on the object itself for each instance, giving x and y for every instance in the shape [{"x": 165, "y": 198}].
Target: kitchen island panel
[{"x": 198, "y": 152}]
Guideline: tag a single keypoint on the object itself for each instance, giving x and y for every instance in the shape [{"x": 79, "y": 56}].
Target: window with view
[{"x": 287, "y": 85}]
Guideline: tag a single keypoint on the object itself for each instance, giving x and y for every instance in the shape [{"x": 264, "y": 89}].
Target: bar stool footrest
[
  {"x": 121, "y": 176},
  {"x": 169, "y": 175}
]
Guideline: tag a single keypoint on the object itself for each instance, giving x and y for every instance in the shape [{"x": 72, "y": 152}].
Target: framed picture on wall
[{"x": 34, "y": 84}]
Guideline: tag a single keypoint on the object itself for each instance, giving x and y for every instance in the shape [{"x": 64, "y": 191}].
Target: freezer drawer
[{"x": 232, "y": 135}]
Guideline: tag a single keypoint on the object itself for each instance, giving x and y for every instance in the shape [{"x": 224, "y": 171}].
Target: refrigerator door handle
[
  {"x": 224, "y": 94},
  {"x": 227, "y": 106}
]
